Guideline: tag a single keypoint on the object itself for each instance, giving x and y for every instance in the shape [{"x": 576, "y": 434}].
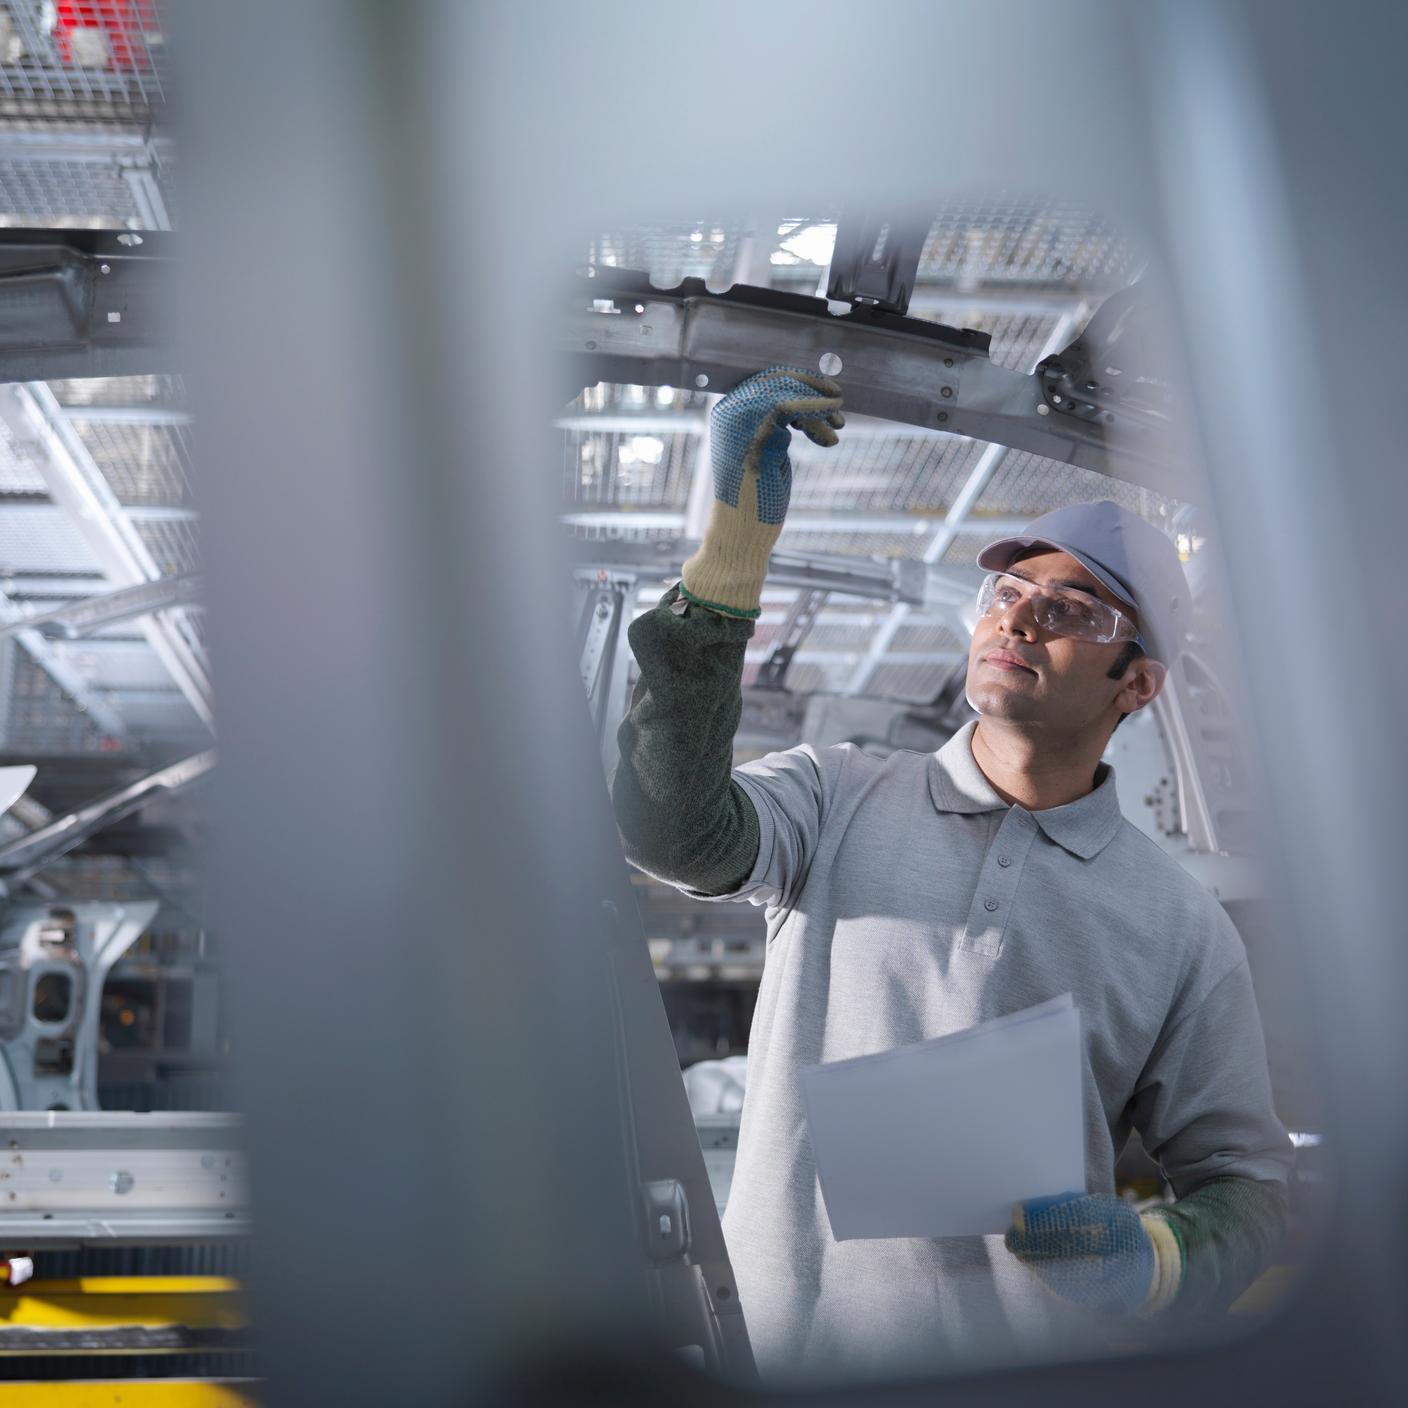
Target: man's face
[{"x": 1065, "y": 681}]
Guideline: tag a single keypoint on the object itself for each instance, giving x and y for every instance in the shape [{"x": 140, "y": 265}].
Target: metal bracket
[
  {"x": 605, "y": 658},
  {"x": 22, "y": 858},
  {"x": 772, "y": 673},
  {"x": 890, "y": 580},
  {"x": 53, "y": 964},
  {"x": 666, "y": 1218},
  {"x": 875, "y": 261},
  {"x": 81, "y": 618},
  {"x": 115, "y": 1178},
  {"x": 1112, "y": 371},
  {"x": 84, "y": 303}
]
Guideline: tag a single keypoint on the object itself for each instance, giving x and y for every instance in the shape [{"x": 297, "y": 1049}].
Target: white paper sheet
[
  {"x": 13, "y": 782},
  {"x": 941, "y": 1138}
]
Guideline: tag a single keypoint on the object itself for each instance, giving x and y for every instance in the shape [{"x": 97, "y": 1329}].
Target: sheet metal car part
[
  {"x": 618, "y": 327},
  {"x": 116, "y": 1178},
  {"x": 84, "y": 303},
  {"x": 53, "y": 963}
]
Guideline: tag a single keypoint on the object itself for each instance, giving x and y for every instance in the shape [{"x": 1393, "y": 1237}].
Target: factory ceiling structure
[{"x": 104, "y": 676}]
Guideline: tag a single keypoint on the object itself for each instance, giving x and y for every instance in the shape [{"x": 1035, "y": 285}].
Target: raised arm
[{"x": 680, "y": 814}]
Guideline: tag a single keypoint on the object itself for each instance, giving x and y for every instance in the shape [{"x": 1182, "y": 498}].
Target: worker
[{"x": 915, "y": 895}]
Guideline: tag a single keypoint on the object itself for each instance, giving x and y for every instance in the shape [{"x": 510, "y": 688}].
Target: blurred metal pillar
[{"x": 412, "y": 837}]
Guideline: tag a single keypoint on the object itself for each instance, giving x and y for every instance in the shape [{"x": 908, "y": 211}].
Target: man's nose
[{"x": 1020, "y": 618}]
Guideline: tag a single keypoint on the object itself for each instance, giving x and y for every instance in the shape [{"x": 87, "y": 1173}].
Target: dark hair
[{"x": 1131, "y": 652}]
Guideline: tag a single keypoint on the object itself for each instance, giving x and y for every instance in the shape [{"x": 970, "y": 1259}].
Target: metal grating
[
  {"x": 115, "y": 665},
  {"x": 898, "y": 473},
  {"x": 1027, "y": 485},
  {"x": 65, "y": 195},
  {"x": 162, "y": 390},
  {"x": 146, "y": 465},
  {"x": 18, "y": 474},
  {"x": 163, "y": 714},
  {"x": 83, "y": 61},
  {"x": 915, "y": 636},
  {"x": 917, "y": 683},
  {"x": 1027, "y": 242},
  {"x": 43, "y": 719},
  {"x": 672, "y": 252},
  {"x": 610, "y": 532},
  {"x": 619, "y": 470},
  {"x": 42, "y": 538},
  {"x": 964, "y": 549},
  {"x": 174, "y": 545},
  {"x": 890, "y": 544},
  {"x": 623, "y": 397}
]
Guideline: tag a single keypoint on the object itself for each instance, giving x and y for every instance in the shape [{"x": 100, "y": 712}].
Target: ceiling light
[
  {"x": 812, "y": 243},
  {"x": 647, "y": 449}
]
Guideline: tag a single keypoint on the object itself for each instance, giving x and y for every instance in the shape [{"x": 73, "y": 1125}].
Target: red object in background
[{"x": 116, "y": 35}]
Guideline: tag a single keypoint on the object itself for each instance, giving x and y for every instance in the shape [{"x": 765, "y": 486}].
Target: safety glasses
[{"x": 1066, "y": 613}]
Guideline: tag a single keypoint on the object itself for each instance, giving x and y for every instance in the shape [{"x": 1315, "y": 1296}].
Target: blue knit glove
[
  {"x": 1094, "y": 1250},
  {"x": 750, "y": 431}
]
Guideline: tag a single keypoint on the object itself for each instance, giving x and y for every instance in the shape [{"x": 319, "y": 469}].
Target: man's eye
[
  {"x": 1006, "y": 595},
  {"x": 1071, "y": 611}
]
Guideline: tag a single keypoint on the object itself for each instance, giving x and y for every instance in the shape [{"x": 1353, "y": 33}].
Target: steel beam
[
  {"x": 22, "y": 858},
  {"x": 893, "y": 524},
  {"x": 874, "y": 579},
  {"x": 686, "y": 423},
  {"x": 80, "y": 618},
  {"x": 897, "y": 368},
  {"x": 76, "y": 484},
  {"x": 125, "y": 415},
  {"x": 84, "y": 303},
  {"x": 89, "y": 147}
]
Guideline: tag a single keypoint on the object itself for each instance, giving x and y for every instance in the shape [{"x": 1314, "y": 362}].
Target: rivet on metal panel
[
  {"x": 121, "y": 1181},
  {"x": 701, "y": 381},
  {"x": 830, "y": 364},
  {"x": 943, "y": 416},
  {"x": 105, "y": 268},
  {"x": 948, "y": 361},
  {"x": 946, "y": 391},
  {"x": 1043, "y": 409}
]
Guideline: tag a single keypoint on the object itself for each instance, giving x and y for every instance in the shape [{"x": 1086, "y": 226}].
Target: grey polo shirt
[{"x": 904, "y": 900}]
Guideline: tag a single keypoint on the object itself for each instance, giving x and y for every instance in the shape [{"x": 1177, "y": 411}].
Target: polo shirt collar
[{"x": 1083, "y": 827}]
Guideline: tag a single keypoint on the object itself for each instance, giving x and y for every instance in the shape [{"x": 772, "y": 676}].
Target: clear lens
[{"x": 1065, "y": 613}]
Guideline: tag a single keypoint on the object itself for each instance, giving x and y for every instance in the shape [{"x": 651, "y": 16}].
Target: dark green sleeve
[
  {"x": 681, "y": 815},
  {"x": 1228, "y": 1230}
]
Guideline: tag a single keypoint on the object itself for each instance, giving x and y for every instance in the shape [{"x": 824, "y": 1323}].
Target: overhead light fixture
[{"x": 648, "y": 449}]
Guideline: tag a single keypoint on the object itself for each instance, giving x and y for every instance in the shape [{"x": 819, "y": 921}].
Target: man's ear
[{"x": 1142, "y": 685}]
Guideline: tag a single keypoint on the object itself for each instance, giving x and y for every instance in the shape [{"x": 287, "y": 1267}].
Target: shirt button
[
  {"x": 989, "y": 905},
  {"x": 1004, "y": 860}
]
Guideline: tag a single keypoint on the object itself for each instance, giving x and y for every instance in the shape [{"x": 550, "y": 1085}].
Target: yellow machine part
[
  {"x": 130, "y": 1393},
  {"x": 202, "y": 1302}
]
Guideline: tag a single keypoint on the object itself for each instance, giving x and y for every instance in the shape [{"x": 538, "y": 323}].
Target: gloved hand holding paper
[{"x": 940, "y": 1139}]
